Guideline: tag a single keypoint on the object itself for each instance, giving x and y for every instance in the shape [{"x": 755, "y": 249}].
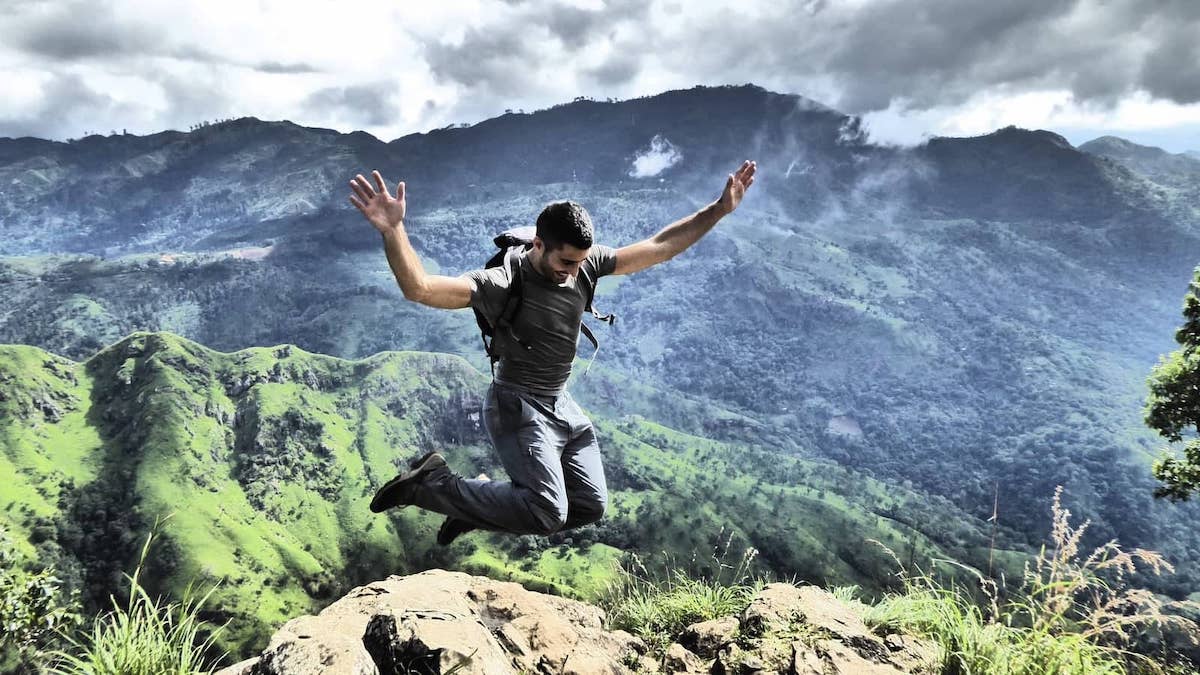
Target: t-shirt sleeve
[
  {"x": 489, "y": 290},
  {"x": 603, "y": 259}
]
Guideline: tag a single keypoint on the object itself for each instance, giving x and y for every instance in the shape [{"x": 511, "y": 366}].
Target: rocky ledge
[{"x": 440, "y": 622}]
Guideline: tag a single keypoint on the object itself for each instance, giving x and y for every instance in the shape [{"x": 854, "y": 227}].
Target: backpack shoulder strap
[
  {"x": 584, "y": 328},
  {"x": 509, "y": 257},
  {"x": 516, "y": 279},
  {"x": 591, "y": 296}
]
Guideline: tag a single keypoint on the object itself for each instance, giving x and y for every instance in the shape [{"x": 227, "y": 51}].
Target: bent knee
[
  {"x": 590, "y": 511},
  {"x": 548, "y": 518}
]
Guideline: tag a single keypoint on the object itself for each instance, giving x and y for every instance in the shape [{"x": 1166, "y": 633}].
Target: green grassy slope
[
  {"x": 48, "y": 444},
  {"x": 266, "y": 459}
]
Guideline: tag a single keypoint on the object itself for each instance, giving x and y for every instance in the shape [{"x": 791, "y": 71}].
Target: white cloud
[
  {"x": 660, "y": 156},
  {"x": 1057, "y": 110}
]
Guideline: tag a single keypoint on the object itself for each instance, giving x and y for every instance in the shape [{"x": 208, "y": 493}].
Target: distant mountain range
[{"x": 972, "y": 318}]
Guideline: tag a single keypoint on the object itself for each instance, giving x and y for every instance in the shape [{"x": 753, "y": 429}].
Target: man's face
[{"x": 562, "y": 263}]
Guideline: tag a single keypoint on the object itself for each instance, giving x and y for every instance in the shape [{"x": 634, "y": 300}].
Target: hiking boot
[
  {"x": 400, "y": 490},
  {"x": 451, "y": 529}
]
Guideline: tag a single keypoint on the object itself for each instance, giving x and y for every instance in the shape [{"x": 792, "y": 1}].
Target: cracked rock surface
[{"x": 436, "y": 621}]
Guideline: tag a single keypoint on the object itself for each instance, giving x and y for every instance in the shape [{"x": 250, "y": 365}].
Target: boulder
[
  {"x": 814, "y": 631},
  {"x": 437, "y": 621},
  {"x": 709, "y": 637},
  {"x": 775, "y": 608},
  {"x": 678, "y": 660},
  {"x": 841, "y": 659}
]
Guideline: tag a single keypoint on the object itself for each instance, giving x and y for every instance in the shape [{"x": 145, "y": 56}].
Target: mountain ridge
[{"x": 444, "y": 163}]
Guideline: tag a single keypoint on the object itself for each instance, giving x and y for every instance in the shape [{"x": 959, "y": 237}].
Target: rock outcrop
[
  {"x": 436, "y": 621},
  {"x": 449, "y": 622}
]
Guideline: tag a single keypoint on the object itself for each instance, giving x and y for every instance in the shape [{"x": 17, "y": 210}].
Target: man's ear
[{"x": 539, "y": 245}]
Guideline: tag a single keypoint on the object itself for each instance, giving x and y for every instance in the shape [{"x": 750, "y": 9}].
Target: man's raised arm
[
  {"x": 386, "y": 214},
  {"x": 679, "y": 235}
]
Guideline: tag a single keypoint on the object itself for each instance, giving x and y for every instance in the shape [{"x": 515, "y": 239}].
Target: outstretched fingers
[
  {"x": 746, "y": 171},
  {"x": 379, "y": 182},
  {"x": 362, "y": 188},
  {"x": 745, "y": 174}
]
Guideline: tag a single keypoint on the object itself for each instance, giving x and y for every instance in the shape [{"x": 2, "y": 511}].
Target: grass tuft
[
  {"x": 658, "y": 607},
  {"x": 142, "y": 637}
]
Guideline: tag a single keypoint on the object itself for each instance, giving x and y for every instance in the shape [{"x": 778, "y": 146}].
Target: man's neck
[{"x": 535, "y": 261}]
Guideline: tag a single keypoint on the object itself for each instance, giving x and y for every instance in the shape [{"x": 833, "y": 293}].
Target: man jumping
[{"x": 545, "y": 441}]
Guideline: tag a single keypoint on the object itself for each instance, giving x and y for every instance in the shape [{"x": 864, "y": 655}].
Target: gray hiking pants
[{"x": 549, "y": 449}]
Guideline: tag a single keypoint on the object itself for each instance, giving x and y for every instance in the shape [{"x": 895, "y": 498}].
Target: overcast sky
[{"x": 912, "y": 68}]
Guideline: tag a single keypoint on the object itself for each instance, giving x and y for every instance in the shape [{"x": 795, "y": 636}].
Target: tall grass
[
  {"x": 657, "y": 607},
  {"x": 142, "y": 637},
  {"x": 1072, "y": 615}
]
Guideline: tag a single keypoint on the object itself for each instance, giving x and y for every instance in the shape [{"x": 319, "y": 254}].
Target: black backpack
[{"x": 510, "y": 244}]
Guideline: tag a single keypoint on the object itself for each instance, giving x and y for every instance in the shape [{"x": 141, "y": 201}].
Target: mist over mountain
[{"x": 971, "y": 317}]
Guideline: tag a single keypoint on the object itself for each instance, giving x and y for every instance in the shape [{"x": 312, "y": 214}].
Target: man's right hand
[{"x": 383, "y": 211}]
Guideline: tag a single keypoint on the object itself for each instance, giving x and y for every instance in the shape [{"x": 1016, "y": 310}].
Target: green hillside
[{"x": 267, "y": 458}]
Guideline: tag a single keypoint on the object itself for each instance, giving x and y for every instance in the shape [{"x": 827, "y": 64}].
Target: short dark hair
[{"x": 565, "y": 222}]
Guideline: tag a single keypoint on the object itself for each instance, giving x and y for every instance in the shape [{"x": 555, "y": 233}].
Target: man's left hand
[{"x": 736, "y": 186}]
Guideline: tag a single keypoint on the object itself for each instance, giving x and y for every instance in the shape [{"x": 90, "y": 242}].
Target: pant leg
[
  {"x": 583, "y": 470},
  {"x": 529, "y": 444}
]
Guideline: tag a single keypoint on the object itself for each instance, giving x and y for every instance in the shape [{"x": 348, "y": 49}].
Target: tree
[{"x": 1173, "y": 408}]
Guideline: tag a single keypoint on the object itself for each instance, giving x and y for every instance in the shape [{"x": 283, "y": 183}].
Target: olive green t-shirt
[{"x": 547, "y": 323}]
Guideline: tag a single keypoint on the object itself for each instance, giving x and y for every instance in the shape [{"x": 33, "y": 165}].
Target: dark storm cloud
[
  {"x": 503, "y": 62},
  {"x": 90, "y": 32},
  {"x": 192, "y": 99},
  {"x": 367, "y": 105},
  {"x": 68, "y": 107},
  {"x": 570, "y": 24},
  {"x": 286, "y": 68},
  {"x": 76, "y": 31},
  {"x": 575, "y": 26},
  {"x": 1172, "y": 69},
  {"x": 936, "y": 49},
  {"x": 616, "y": 71},
  {"x": 814, "y": 6},
  {"x": 922, "y": 53},
  {"x": 507, "y": 58},
  {"x": 940, "y": 52}
]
